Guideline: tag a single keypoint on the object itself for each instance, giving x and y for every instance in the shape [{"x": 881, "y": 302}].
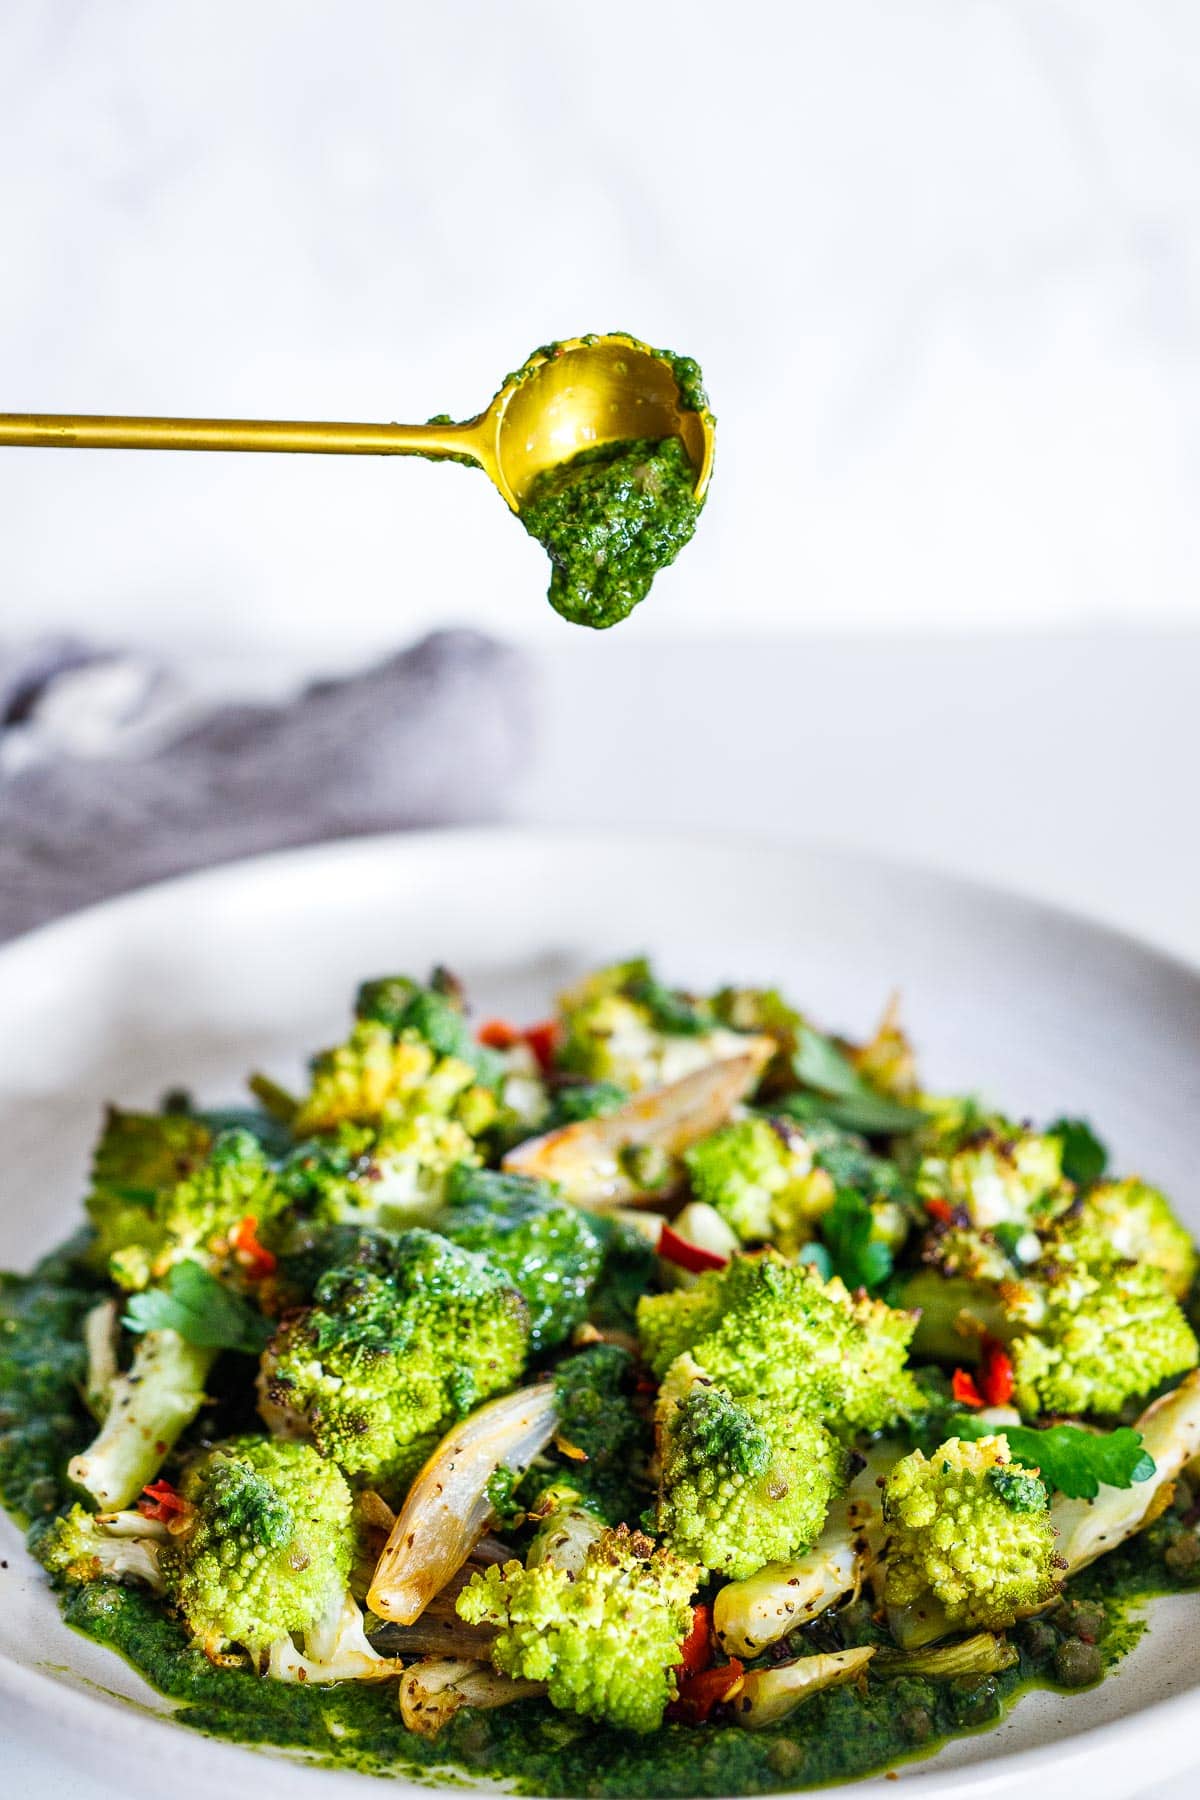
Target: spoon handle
[{"x": 71, "y": 431}]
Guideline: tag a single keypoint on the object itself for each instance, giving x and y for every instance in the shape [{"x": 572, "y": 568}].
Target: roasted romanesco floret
[
  {"x": 548, "y": 1250},
  {"x": 768, "y": 1327},
  {"x": 760, "y": 1176},
  {"x": 1083, "y": 1339},
  {"x": 81, "y": 1546},
  {"x": 999, "y": 1173},
  {"x": 164, "y": 1188},
  {"x": 1100, "y": 1338},
  {"x": 622, "y": 1025},
  {"x": 410, "y": 1052},
  {"x": 1127, "y": 1221},
  {"x": 265, "y": 1546},
  {"x": 606, "y": 1640},
  {"x": 384, "y": 1178},
  {"x": 969, "y": 1540},
  {"x": 410, "y": 1335},
  {"x": 743, "y": 1482}
]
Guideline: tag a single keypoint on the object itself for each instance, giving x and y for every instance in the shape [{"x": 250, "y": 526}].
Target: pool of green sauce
[{"x": 534, "y": 1750}]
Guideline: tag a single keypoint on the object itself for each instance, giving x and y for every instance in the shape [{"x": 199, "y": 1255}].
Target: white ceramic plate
[{"x": 197, "y": 981}]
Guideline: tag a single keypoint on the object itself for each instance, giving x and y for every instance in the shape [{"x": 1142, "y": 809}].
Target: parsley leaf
[
  {"x": 1084, "y": 1157},
  {"x": 1075, "y": 1462},
  {"x": 197, "y": 1306},
  {"x": 860, "y": 1260},
  {"x": 841, "y": 1095}
]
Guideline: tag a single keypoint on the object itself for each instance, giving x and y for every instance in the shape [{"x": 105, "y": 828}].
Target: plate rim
[{"x": 117, "y": 1720}]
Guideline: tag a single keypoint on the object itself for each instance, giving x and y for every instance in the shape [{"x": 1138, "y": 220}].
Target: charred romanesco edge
[
  {"x": 607, "y": 1641},
  {"x": 1000, "y": 1173},
  {"x": 410, "y": 1335},
  {"x": 971, "y": 1528},
  {"x": 1127, "y": 1221},
  {"x": 743, "y": 1482},
  {"x": 774, "y": 1329}
]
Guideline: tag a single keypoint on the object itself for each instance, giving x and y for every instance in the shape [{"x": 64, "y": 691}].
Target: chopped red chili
[
  {"x": 254, "y": 1257},
  {"x": 695, "y": 1653},
  {"x": 962, "y": 1386},
  {"x": 161, "y": 1501},
  {"x": 700, "y": 1693}
]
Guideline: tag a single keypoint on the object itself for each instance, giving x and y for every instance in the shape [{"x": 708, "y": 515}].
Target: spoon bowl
[{"x": 581, "y": 395}]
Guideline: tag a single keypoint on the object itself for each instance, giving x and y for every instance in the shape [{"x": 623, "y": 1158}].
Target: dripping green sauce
[{"x": 839, "y": 1734}]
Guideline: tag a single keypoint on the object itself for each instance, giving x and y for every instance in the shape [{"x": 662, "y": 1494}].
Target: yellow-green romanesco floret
[
  {"x": 1101, "y": 1337},
  {"x": 969, "y": 1540},
  {"x": 266, "y": 1545},
  {"x": 1000, "y": 1173},
  {"x": 376, "y": 1078},
  {"x": 743, "y": 1482},
  {"x": 1128, "y": 1221},
  {"x": 606, "y": 1640},
  {"x": 771, "y": 1328},
  {"x": 759, "y": 1175},
  {"x": 165, "y": 1188}
]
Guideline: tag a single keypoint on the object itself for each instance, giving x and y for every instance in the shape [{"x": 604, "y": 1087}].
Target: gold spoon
[{"x": 568, "y": 397}]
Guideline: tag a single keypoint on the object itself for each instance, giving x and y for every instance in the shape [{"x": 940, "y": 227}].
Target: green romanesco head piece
[
  {"x": 266, "y": 1546},
  {"x": 549, "y": 1251},
  {"x": 759, "y": 1175},
  {"x": 1127, "y": 1221},
  {"x": 1101, "y": 1337},
  {"x": 970, "y": 1529},
  {"x": 1001, "y": 1174},
  {"x": 772, "y": 1328},
  {"x": 164, "y": 1188},
  {"x": 604, "y": 1436},
  {"x": 743, "y": 1482},
  {"x": 413, "y": 1333},
  {"x": 605, "y": 1641}
]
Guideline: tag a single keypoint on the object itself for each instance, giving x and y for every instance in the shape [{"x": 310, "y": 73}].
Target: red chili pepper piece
[
  {"x": 686, "y": 1255},
  {"x": 543, "y": 1041},
  {"x": 254, "y": 1257},
  {"x": 162, "y": 1502},
  {"x": 962, "y": 1386},
  {"x": 996, "y": 1380},
  {"x": 498, "y": 1034},
  {"x": 699, "y": 1694},
  {"x": 695, "y": 1652},
  {"x": 940, "y": 1209}
]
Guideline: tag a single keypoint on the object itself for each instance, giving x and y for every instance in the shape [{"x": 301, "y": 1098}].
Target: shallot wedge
[
  {"x": 767, "y": 1695},
  {"x": 1170, "y": 1429},
  {"x": 590, "y": 1160},
  {"x": 336, "y": 1648},
  {"x": 751, "y": 1614},
  {"x": 447, "y": 1506},
  {"x": 433, "y": 1691}
]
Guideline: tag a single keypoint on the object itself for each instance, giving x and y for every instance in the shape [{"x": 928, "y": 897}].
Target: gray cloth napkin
[{"x": 111, "y": 775}]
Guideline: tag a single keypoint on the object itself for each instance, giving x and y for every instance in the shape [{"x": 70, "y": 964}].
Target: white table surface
[{"x": 1064, "y": 767}]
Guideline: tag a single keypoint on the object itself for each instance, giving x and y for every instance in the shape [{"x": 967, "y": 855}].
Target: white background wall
[{"x": 941, "y": 263}]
